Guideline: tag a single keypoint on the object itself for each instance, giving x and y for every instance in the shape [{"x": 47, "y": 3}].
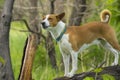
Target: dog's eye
[
  {"x": 50, "y": 19},
  {"x": 43, "y": 18}
]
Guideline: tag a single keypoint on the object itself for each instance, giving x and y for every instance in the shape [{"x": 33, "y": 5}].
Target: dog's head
[{"x": 51, "y": 20}]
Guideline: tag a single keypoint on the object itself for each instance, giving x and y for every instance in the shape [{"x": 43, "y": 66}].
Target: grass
[
  {"x": 42, "y": 69},
  {"x": 17, "y": 40}
]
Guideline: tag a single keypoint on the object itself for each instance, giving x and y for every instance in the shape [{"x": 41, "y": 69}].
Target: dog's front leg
[
  {"x": 66, "y": 60},
  {"x": 74, "y": 56}
]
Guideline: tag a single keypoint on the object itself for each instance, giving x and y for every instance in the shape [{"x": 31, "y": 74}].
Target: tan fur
[
  {"x": 54, "y": 18},
  {"x": 77, "y": 36},
  {"x": 89, "y": 32}
]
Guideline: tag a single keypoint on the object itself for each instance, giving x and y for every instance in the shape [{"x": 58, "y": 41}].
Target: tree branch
[
  {"x": 97, "y": 74},
  {"x": 28, "y": 27}
]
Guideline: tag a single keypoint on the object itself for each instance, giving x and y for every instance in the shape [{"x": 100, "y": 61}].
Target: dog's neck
[{"x": 58, "y": 30}]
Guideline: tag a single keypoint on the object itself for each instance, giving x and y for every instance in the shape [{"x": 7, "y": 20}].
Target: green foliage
[
  {"x": 17, "y": 42},
  {"x": 1, "y": 3},
  {"x": 42, "y": 69},
  {"x": 45, "y": 73},
  {"x": 107, "y": 77},
  {"x": 98, "y": 70},
  {"x": 99, "y": 5},
  {"x": 88, "y": 78},
  {"x": 90, "y": 58}
]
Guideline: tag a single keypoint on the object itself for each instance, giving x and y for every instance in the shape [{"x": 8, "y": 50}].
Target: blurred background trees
[{"x": 77, "y": 12}]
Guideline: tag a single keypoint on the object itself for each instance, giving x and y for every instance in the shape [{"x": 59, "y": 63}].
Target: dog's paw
[
  {"x": 69, "y": 75},
  {"x": 113, "y": 64}
]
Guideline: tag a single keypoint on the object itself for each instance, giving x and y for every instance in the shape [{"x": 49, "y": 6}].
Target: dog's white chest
[{"x": 65, "y": 45}]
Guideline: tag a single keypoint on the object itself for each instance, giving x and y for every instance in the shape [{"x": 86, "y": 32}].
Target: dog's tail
[{"x": 105, "y": 16}]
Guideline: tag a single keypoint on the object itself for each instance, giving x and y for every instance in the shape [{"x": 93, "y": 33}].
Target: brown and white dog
[{"x": 73, "y": 40}]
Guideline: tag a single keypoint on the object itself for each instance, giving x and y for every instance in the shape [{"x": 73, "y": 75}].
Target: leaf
[
  {"x": 98, "y": 70},
  {"x": 107, "y": 77},
  {"x": 88, "y": 78}
]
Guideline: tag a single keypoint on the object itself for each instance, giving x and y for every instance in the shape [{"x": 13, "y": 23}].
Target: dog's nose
[{"x": 43, "y": 23}]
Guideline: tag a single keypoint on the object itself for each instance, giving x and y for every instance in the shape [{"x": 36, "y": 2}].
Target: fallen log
[{"x": 104, "y": 73}]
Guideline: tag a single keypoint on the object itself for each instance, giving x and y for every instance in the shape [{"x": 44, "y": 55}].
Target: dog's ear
[{"x": 60, "y": 16}]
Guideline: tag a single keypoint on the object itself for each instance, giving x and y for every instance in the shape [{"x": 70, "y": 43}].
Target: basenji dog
[{"x": 74, "y": 39}]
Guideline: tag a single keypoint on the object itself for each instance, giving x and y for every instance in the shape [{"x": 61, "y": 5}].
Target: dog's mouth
[{"x": 44, "y": 25}]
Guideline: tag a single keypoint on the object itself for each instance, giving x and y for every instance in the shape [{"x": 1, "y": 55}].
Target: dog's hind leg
[
  {"x": 112, "y": 40},
  {"x": 112, "y": 50},
  {"x": 112, "y": 44}
]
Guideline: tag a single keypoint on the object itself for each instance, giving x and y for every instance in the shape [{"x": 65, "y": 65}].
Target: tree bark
[
  {"x": 26, "y": 72},
  {"x": 77, "y": 12},
  {"x": 6, "y": 72},
  {"x": 59, "y": 6},
  {"x": 31, "y": 45},
  {"x": 108, "y": 73},
  {"x": 51, "y": 51},
  {"x": 49, "y": 41}
]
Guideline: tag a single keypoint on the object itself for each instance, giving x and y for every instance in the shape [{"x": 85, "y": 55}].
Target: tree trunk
[
  {"x": 77, "y": 12},
  {"x": 49, "y": 43},
  {"x": 31, "y": 45},
  {"x": 51, "y": 50},
  {"x": 59, "y": 6},
  {"x": 6, "y": 72},
  {"x": 26, "y": 72},
  {"x": 106, "y": 73}
]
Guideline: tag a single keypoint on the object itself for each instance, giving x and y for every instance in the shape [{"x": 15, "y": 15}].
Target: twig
[
  {"x": 26, "y": 25},
  {"x": 20, "y": 30},
  {"x": 29, "y": 30},
  {"x": 100, "y": 65}
]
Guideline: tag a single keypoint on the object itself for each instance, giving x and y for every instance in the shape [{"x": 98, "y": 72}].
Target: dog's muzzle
[{"x": 44, "y": 25}]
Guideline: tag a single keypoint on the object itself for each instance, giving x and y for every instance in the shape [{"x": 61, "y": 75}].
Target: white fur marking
[
  {"x": 74, "y": 56},
  {"x": 106, "y": 18},
  {"x": 115, "y": 52},
  {"x": 56, "y": 30},
  {"x": 46, "y": 20},
  {"x": 65, "y": 48}
]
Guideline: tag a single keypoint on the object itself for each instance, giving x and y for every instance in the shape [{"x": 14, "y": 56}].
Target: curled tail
[{"x": 105, "y": 16}]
